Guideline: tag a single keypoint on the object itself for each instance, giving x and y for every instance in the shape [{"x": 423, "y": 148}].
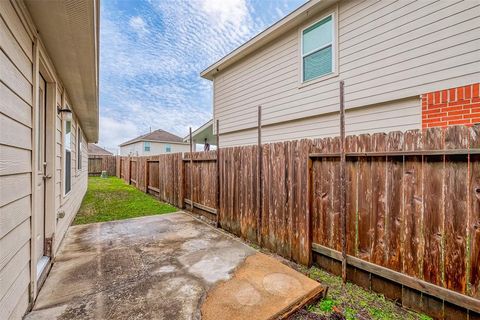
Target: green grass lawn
[{"x": 111, "y": 198}]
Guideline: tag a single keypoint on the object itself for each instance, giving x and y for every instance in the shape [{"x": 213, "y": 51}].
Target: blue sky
[{"x": 152, "y": 52}]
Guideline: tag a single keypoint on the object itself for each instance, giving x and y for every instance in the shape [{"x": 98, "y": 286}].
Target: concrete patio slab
[{"x": 169, "y": 266}]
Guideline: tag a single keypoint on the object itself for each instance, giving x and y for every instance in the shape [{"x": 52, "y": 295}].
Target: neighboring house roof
[
  {"x": 291, "y": 21},
  {"x": 204, "y": 131},
  {"x": 70, "y": 32},
  {"x": 156, "y": 136},
  {"x": 94, "y": 150}
]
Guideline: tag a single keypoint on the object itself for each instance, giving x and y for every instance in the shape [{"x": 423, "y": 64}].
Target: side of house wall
[
  {"x": 159, "y": 148},
  {"x": 69, "y": 203},
  {"x": 387, "y": 51},
  {"x": 16, "y": 123},
  {"x": 156, "y": 148},
  {"x": 18, "y": 61},
  {"x": 406, "y": 113}
]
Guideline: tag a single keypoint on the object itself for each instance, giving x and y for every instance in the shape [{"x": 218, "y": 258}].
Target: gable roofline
[
  {"x": 292, "y": 20},
  {"x": 154, "y": 141},
  {"x": 158, "y": 135},
  {"x": 95, "y": 150}
]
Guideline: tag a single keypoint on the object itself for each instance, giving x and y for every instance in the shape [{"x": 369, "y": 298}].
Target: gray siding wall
[{"x": 387, "y": 50}]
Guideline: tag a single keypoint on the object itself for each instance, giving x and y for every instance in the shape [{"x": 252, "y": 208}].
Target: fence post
[
  {"x": 217, "y": 222},
  {"x": 259, "y": 178},
  {"x": 343, "y": 215},
  {"x": 191, "y": 171},
  {"x": 147, "y": 166},
  {"x": 160, "y": 189},
  {"x": 181, "y": 182}
]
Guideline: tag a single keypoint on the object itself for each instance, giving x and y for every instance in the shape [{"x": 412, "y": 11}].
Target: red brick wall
[{"x": 456, "y": 106}]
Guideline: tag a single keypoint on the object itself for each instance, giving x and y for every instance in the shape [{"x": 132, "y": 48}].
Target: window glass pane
[
  {"x": 318, "y": 35},
  {"x": 146, "y": 146},
  {"x": 79, "y": 151},
  {"x": 168, "y": 148},
  {"x": 317, "y": 64},
  {"x": 68, "y": 171},
  {"x": 68, "y": 135},
  {"x": 68, "y": 155}
]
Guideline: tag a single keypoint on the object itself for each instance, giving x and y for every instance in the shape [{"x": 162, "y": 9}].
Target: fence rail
[{"x": 412, "y": 203}]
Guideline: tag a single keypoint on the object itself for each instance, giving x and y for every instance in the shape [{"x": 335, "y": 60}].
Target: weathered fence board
[
  {"x": 171, "y": 178},
  {"x": 415, "y": 214},
  {"x": 455, "y": 207},
  {"x": 97, "y": 164},
  {"x": 379, "y": 198},
  {"x": 351, "y": 173},
  {"x": 238, "y": 191},
  {"x": 364, "y": 200},
  {"x": 434, "y": 211},
  {"x": 202, "y": 172},
  {"x": 474, "y": 211},
  {"x": 285, "y": 207},
  {"x": 133, "y": 172},
  {"x": 394, "y": 218},
  {"x": 152, "y": 177},
  {"x": 413, "y": 248},
  {"x": 142, "y": 174}
]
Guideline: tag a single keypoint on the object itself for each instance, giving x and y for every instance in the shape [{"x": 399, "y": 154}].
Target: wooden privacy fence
[
  {"x": 97, "y": 164},
  {"x": 412, "y": 203}
]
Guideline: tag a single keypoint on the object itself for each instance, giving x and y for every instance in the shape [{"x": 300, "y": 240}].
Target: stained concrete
[
  {"x": 157, "y": 267},
  {"x": 261, "y": 286}
]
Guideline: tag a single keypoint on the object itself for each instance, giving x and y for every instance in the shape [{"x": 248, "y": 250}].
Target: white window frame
[
  {"x": 145, "y": 146},
  {"x": 334, "y": 42},
  {"x": 64, "y": 164},
  {"x": 168, "y": 146}
]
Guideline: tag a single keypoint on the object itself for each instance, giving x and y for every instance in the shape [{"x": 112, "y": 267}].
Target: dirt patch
[
  {"x": 261, "y": 286},
  {"x": 307, "y": 315}
]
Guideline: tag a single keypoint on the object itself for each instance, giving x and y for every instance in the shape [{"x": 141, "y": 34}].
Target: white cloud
[
  {"x": 150, "y": 66},
  {"x": 115, "y": 131},
  {"x": 138, "y": 24},
  {"x": 226, "y": 11}
]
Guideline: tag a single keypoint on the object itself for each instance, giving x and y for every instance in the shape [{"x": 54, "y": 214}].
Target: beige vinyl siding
[
  {"x": 405, "y": 113},
  {"x": 16, "y": 48},
  {"x": 387, "y": 50},
  {"x": 16, "y": 167},
  {"x": 69, "y": 203}
]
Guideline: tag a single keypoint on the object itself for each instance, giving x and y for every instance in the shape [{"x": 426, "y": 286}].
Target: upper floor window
[
  {"x": 168, "y": 148},
  {"x": 317, "y": 49},
  {"x": 146, "y": 146}
]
